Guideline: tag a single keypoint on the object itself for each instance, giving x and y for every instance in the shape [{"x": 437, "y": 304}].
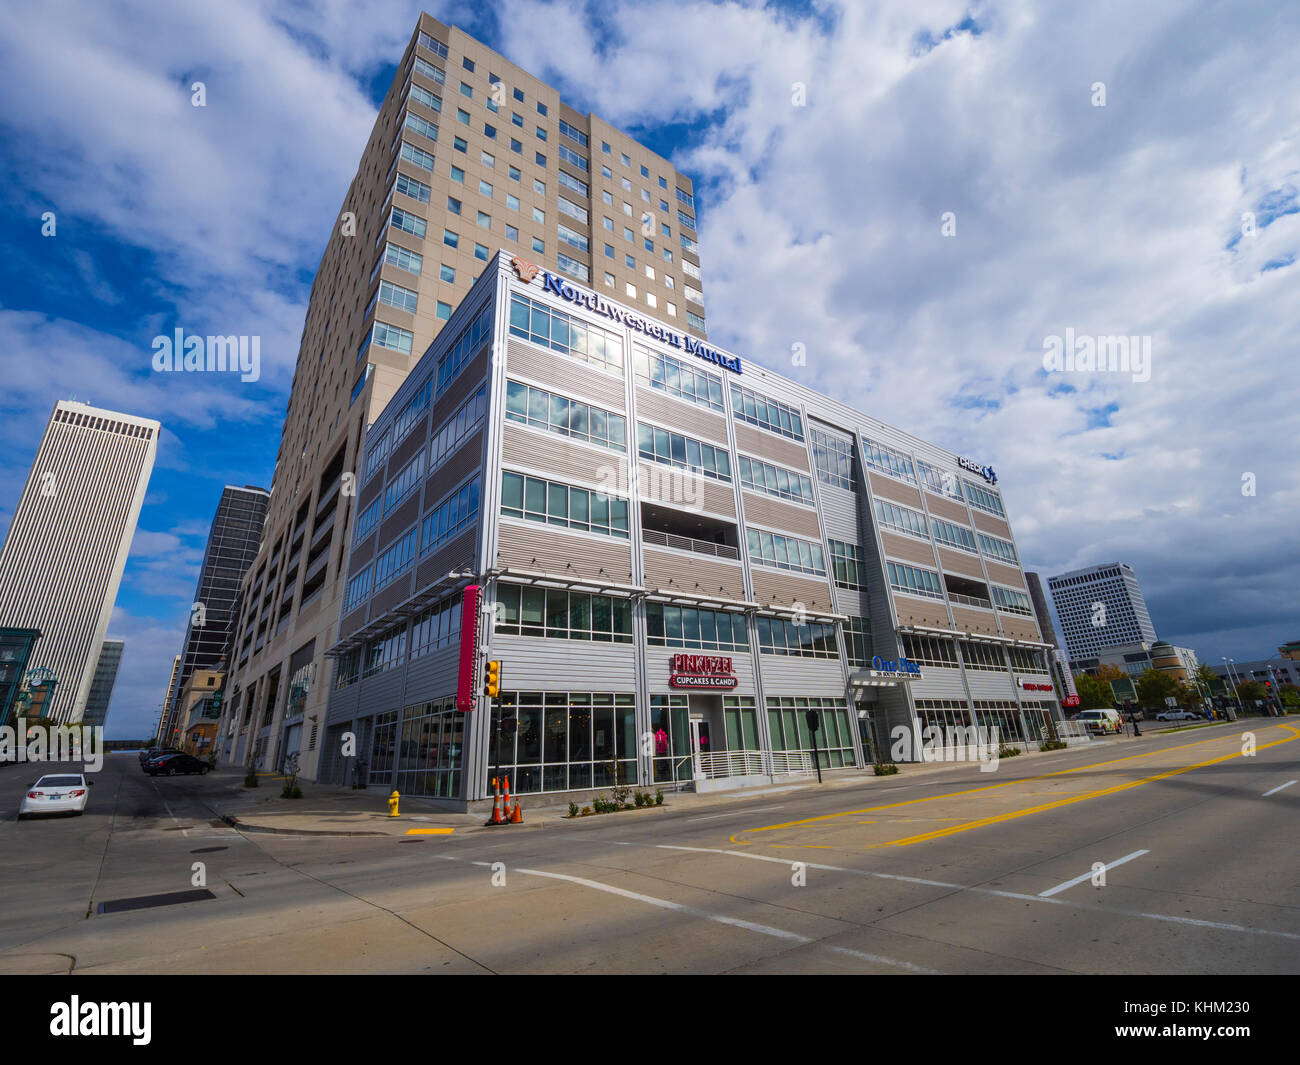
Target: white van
[{"x": 1101, "y": 721}]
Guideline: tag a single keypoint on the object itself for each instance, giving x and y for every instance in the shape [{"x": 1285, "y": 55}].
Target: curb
[{"x": 242, "y": 826}]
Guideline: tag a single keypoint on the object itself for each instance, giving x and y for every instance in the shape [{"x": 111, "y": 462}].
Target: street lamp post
[{"x": 1232, "y": 679}]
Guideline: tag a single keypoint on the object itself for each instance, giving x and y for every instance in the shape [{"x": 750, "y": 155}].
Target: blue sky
[{"x": 1169, "y": 212}]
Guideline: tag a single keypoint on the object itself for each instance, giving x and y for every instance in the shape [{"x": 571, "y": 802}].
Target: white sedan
[{"x": 57, "y": 793}]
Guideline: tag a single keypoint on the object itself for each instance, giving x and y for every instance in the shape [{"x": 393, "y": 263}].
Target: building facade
[
  {"x": 167, "y": 700},
  {"x": 680, "y": 554},
  {"x": 1099, "y": 607},
  {"x": 101, "y": 688},
  {"x": 468, "y": 153},
  {"x": 233, "y": 541},
  {"x": 66, "y": 549}
]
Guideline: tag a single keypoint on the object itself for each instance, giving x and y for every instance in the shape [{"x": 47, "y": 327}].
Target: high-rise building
[
  {"x": 678, "y": 557},
  {"x": 66, "y": 549},
  {"x": 233, "y": 540},
  {"x": 167, "y": 699},
  {"x": 101, "y": 687},
  {"x": 468, "y": 154},
  {"x": 1100, "y": 607}
]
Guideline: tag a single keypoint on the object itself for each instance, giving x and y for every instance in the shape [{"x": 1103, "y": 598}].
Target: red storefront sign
[
  {"x": 1071, "y": 700},
  {"x": 702, "y": 672},
  {"x": 1034, "y": 686},
  {"x": 467, "y": 682}
]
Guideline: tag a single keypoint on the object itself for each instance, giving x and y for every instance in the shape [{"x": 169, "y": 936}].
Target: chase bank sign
[{"x": 593, "y": 301}]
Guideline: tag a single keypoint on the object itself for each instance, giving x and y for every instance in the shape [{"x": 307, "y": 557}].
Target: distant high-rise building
[
  {"x": 1100, "y": 607},
  {"x": 469, "y": 155},
  {"x": 101, "y": 687},
  {"x": 66, "y": 549},
  {"x": 233, "y": 541},
  {"x": 1041, "y": 612},
  {"x": 167, "y": 699}
]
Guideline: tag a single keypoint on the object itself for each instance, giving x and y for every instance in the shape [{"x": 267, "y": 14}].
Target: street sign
[{"x": 1170, "y": 701}]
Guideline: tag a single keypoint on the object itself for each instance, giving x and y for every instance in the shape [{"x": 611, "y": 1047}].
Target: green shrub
[
  {"x": 1008, "y": 752},
  {"x": 885, "y": 769},
  {"x": 573, "y": 809},
  {"x": 659, "y": 797},
  {"x": 1052, "y": 745},
  {"x": 586, "y": 811},
  {"x": 250, "y": 781}
]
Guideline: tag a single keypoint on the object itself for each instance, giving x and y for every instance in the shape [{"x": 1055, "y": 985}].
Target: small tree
[{"x": 1154, "y": 687}]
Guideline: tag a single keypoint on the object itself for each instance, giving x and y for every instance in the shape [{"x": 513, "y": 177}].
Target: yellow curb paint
[
  {"x": 429, "y": 831},
  {"x": 1007, "y": 783}
]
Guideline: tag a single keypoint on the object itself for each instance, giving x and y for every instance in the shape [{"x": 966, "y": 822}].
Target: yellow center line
[{"x": 1007, "y": 783}]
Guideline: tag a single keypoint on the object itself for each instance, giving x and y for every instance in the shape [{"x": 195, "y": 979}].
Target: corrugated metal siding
[
  {"x": 410, "y": 445},
  {"x": 352, "y": 622},
  {"x": 916, "y": 611},
  {"x": 778, "y": 449},
  {"x": 532, "y": 664},
  {"x": 562, "y": 459},
  {"x": 659, "y": 668},
  {"x": 957, "y": 562},
  {"x": 361, "y": 555},
  {"x": 891, "y": 489},
  {"x": 696, "y": 574},
  {"x": 939, "y": 683},
  {"x": 781, "y": 589},
  {"x": 969, "y": 619},
  {"x": 989, "y": 524},
  {"x": 399, "y": 522},
  {"x": 1020, "y": 628},
  {"x": 459, "y": 554},
  {"x": 903, "y": 549},
  {"x": 947, "y": 509},
  {"x": 840, "y": 513},
  {"x": 380, "y": 693},
  {"x": 452, "y": 473},
  {"x": 433, "y": 676},
  {"x": 530, "y": 545},
  {"x": 985, "y": 684},
  {"x": 373, "y": 489},
  {"x": 775, "y": 514},
  {"x": 785, "y": 676},
  {"x": 850, "y": 601},
  {"x": 1008, "y": 575},
  {"x": 689, "y": 418},
  {"x": 466, "y": 383},
  {"x": 568, "y": 375},
  {"x": 391, "y": 594},
  {"x": 343, "y": 704}
]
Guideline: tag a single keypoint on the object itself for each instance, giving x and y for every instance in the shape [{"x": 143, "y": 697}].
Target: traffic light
[{"x": 492, "y": 679}]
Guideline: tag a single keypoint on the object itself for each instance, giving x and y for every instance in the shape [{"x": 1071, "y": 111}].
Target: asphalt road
[{"x": 955, "y": 871}]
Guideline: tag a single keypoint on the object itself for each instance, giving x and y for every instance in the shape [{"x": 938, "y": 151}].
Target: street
[{"x": 936, "y": 870}]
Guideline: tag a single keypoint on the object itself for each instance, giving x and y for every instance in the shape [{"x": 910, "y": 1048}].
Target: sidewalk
[{"x": 326, "y": 810}]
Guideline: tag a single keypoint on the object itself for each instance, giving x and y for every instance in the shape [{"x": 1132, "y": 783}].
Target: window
[
  {"x": 443, "y": 310},
  {"x": 517, "y": 119},
  {"x": 485, "y": 188},
  {"x": 457, "y": 175},
  {"x": 453, "y": 205},
  {"x": 570, "y": 182},
  {"x": 467, "y": 344},
  {"x": 358, "y": 588},
  {"x": 785, "y": 552},
  {"x": 557, "y": 614},
  {"x": 983, "y": 499},
  {"x": 572, "y": 267},
  {"x": 940, "y": 483},
  {"x": 766, "y": 413},
  {"x": 452, "y": 240},
  {"x": 541, "y": 108},
  {"x": 426, "y": 98},
  {"x": 671, "y": 308},
  {"x": 888, "y": 460},
  {"x": 573, "y": 210},
  {"x": 982, "y": 656},
  {"x": 539, "y": 159},
  {"x": 405, "y": 482},
  {"x": 403, "y": 259},
  {"x": 775, "y": 481},
  {"x": 488, "y": 160},
  {"x": 539, "y": 215},
  {"x": 694, "y": 321},
  {"x": 1010, "y": 600},
  {"x": 571, "y": 237},
  {"x": 930, "y": 651},
  {"x": 460, "y": 144},
  {"x": 564, "y": 333},
  {"x": 437, "y": 626},
  {"x": 569, "y": 740},
  {"x": 411, "y": 413},
  {"x": 539, "y": 245},
  {"x": 901, "y": 519},
  {"x": 663, "y": 184},
  {"x": 462, "y": 117},
  {"x": 673, "y": 449},
  {"x": 433, "y": 45},
  {"x": 609, "y": 251},
  {"x": 846, "y": 564},
  {"x": 575, "y": 135},
  {"x": 781, "y": 636},
  {"x": 458, "y": 427},
  {"x": 447, "y": 273},
  {"x": 568, "y": 155},
  {"x": 407, "y": 222},
  {"x": 952, "y": 535},
  {"x": 605, "y": 172},
  {"x": 433, "y": 73},
  {"x": 833, "y": 459},
  {"x": 541, "y": 133},
  {"x": 645, "y": 172},
  {"x": 629, "y": 235},
  {"x": 695, "y": 629},
  {"x": 539, "y": 186},
  {"x": 450, "y": 517},
  {"x": 686, "y": 220},
  {"x": 408, "y": 186},
  {"x": 465, "y": 90},
  {"x": 419, "y": 125},
  {"x": 516, "y": 146},
  {"x": 485, "y": 220},
  {"x": 468, "y": 64},
  {"x": 914, "y": 581},
  {"x": 544, "y": 410},
  {"x": 369, "y": 518},
  {"x": 857, "y": 641},
  {"x": 392, "y": 338},
  {"x": 396, "y": 296},
  {"x": 396, "y": 560},
  {"x": 512, "y": 233},
  {"x": 481, "y": 252},
  {"x": 552, "y": 503},
  {"x": 519, "y": 95},
  {"x": 609, "y": 278}
]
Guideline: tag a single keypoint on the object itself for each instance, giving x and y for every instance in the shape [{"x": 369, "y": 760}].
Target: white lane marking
[
  {"x": 736, "y": 813},
  {"x": 665, "y": 904},
  {"x": 987, "y": 891},
  {"x": 1088, "y": 875},
  {"x": 1279, "y": 788},
  {"x": 184, "y": 831}
]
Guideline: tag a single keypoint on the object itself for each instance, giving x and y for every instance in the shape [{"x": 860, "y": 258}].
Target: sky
[{"x": 920, "y": 194}]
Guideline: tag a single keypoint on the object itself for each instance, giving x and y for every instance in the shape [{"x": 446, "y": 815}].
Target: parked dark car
[
  {"x": 169, "y": 764},
  {"x": 155, "y": 752}
]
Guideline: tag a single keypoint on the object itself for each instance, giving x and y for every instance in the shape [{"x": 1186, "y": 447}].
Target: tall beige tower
[
  {"x": 469, "y": 154},
  {"x": 64, "y": 554}
]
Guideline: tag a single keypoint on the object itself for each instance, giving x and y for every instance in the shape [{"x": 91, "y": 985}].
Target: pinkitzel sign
[
  {"x": 593, "y": 301},
  {"x": 706, "y": 672}
]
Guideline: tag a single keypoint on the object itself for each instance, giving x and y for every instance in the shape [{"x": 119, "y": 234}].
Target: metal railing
[
  {"x": 970, "y": 600},
  {"x": 719, "y": 764},
  {"x": 688, "y": 543}
]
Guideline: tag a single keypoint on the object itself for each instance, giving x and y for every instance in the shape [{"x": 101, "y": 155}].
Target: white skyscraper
[
  {"x": 1098, "y": 607},
  {"x": 66, "y": 549}
]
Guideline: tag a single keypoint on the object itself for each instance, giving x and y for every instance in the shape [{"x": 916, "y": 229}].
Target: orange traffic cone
[
  {"x": 505, "y": 801},
  {"x": 517, "y": 815},
  {"x": 496, "y": 818}
]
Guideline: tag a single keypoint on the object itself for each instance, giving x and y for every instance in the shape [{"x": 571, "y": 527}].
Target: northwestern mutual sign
[{"x": 565, "y": 289}]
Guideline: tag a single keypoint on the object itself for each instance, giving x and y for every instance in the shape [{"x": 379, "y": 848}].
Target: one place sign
[
  {"x": 702, "y": 672},
  {"x": 889, "y": 669}
]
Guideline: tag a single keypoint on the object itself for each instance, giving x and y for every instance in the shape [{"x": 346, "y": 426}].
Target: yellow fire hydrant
[{"x": 392, "y": 803}]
